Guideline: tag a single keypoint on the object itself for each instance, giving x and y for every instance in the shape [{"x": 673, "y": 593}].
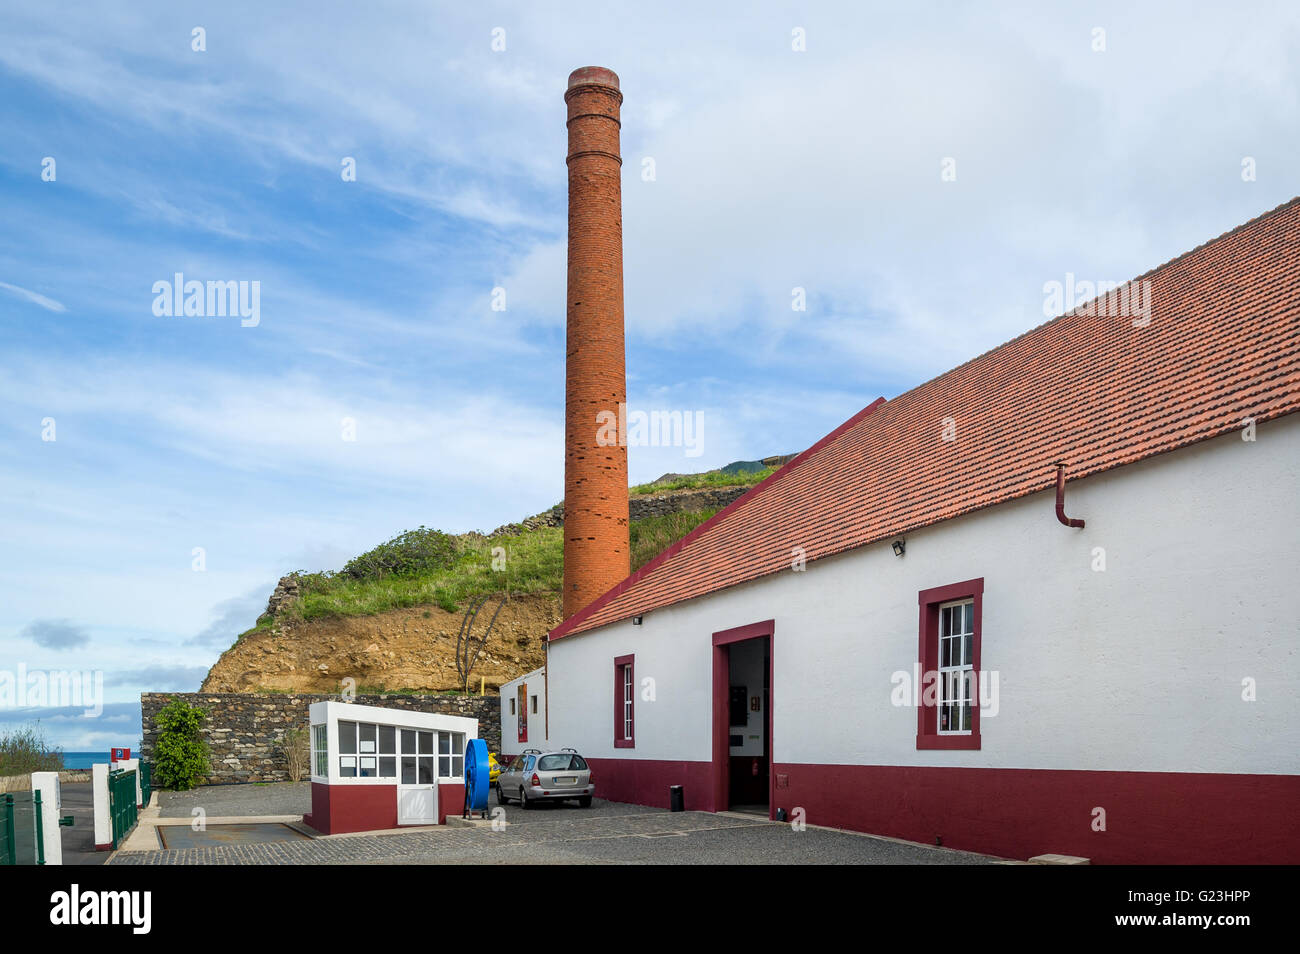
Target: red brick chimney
[{"x": 596, "y": 547}]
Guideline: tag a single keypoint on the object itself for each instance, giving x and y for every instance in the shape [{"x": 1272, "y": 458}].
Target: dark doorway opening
[{"x": 742, "y": 708}]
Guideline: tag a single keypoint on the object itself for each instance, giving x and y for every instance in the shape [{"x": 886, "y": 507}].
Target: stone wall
[
  {"x": 244, "y": 728},
  {"x": 657, "y": 505}
]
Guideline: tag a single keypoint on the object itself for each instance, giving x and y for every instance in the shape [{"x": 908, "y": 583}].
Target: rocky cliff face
[{"x": 408, "y": 649}]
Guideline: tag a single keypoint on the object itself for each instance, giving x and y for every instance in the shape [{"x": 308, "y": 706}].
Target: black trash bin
[{"x": 676, "y": 800}]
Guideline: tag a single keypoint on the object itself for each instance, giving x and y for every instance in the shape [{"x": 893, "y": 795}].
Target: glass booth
[{"x": 376, "y": 768}]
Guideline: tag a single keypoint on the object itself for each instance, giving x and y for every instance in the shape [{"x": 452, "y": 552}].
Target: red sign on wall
[
  {"x": 523, "y": 712},
  {"x": 119, "y": 755}
]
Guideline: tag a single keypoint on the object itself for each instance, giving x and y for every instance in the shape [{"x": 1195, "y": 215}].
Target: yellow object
[
  {"x": 481, "y": 681},
  {"x": 494, "y": 767}
]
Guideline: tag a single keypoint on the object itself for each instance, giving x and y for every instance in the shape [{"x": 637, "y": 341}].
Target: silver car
[{"x": 537, "y": 776}]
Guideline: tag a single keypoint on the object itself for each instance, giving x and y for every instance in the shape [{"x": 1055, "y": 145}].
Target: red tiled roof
[{"x": 1088, "y": 389}]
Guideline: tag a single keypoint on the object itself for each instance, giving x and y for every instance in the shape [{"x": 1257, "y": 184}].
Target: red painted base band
[
  {"x": 104, "y": 847},
  {"x": 1150, "y": 817},
  {"x": 336, "y": 809},
  {"x": 342, "y": 808},
  {"x": 451, "y": 800},
  {"x": 646, "y": 782}
]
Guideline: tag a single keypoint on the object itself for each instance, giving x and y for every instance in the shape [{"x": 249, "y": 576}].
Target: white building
[
  {"x": 902, "y": 633},
  {"x": 523, "y": 714}
]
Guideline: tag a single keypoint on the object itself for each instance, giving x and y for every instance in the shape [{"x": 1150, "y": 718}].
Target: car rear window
[{"x": 561, "y": 763}]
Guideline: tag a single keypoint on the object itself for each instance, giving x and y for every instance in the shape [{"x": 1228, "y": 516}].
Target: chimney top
[{"x": 593, "y": 76}]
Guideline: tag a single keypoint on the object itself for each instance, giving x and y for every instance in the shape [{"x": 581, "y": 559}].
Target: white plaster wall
[
  {"x": 510, "y": 744},
  {"x": 1139, "y": 667},
  {"x": 99, "y": 791}
]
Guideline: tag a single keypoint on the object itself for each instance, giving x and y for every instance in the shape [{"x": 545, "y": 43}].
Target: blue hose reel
[{"x": 478, "y": 778}]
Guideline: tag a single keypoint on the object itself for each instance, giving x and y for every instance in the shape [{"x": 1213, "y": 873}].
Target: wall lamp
[
  {"x": 900, "y": 546},
  {"x": 636, "y": 620}
]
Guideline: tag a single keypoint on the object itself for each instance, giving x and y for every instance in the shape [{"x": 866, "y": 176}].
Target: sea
[{"x": 83, "y": 760}]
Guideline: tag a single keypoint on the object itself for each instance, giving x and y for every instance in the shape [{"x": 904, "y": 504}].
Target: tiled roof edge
[{"x": 569, "y": 625}]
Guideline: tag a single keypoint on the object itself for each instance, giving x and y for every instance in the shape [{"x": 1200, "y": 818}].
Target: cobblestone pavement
[
  {"x": 611, "y": 835},
  {"x": 547, "y": 813}
]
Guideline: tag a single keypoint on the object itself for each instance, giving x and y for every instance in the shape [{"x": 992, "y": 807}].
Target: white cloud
[
  {"x": 49, "y": 304},
  {"x": 295, "y": 424}
]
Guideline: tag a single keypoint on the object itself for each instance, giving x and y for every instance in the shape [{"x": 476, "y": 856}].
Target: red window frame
[
  {"x": 927, "y": 716},
  {"x": 622, "y": 664}
]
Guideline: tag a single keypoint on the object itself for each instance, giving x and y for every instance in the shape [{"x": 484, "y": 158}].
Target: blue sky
[{"x": 775, "y": 169}]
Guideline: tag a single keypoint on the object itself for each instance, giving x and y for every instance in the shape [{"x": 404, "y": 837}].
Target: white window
[
  {"x": 387, "y": 751},
  {"x": 627, "y": 702},
  {"x": 451, "y": 754},
  {"x": 956, "y": 666},
  {"x": 417, "y": 757},
  {"x": 319, "y": 755},
  {"x": 367, "y": 750},
  {"x": 347, "y": 750}
]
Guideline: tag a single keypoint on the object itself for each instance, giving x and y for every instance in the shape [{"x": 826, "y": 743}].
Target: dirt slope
[{"x": 402, "y": 649}]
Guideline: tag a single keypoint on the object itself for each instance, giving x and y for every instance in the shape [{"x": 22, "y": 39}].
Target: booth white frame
[{"x": 416, "y": 803}]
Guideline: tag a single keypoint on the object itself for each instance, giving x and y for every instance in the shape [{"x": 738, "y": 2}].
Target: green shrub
[
  {"x": 23, "y": 751},
  {"x": 296, "y": 751},
  {"x": 180, "y": 757},
  {"x": 412, "y": 553}
]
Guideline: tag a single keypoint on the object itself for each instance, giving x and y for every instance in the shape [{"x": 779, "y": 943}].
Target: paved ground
[
  {"x": 548, "y": 813},
  {"x": 227, "y": 801},
  {"x": 606, "y": 833},
  {"x": 79, "y": 840}
]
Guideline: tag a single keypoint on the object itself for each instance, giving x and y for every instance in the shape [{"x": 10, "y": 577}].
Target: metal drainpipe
[{"x": 1060, "y": 499}]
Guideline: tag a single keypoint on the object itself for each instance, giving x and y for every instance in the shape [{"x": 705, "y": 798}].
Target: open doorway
[{"x": 742, "y": 707}]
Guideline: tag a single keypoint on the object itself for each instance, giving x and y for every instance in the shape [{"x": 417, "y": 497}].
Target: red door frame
[{"x": 722, "y": 640}]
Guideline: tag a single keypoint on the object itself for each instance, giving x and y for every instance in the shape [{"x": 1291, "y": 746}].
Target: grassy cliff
[{"x": 523, "y": 564}]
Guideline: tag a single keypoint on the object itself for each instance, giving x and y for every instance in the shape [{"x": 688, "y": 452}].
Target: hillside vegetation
[
  {"x": 712, "y": 478},
  {"x": 424, "y": 567},
  {"x": 391, "y": 617}
]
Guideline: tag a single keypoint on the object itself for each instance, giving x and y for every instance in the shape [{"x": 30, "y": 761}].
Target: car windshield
[{"x": 561, "y": 763}]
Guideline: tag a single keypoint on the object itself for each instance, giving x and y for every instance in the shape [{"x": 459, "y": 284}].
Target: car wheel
[
  {"x": 523, "y": 800},
  {"x": 501, "y": 796},
  {"x": 585, "y": 801}
]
